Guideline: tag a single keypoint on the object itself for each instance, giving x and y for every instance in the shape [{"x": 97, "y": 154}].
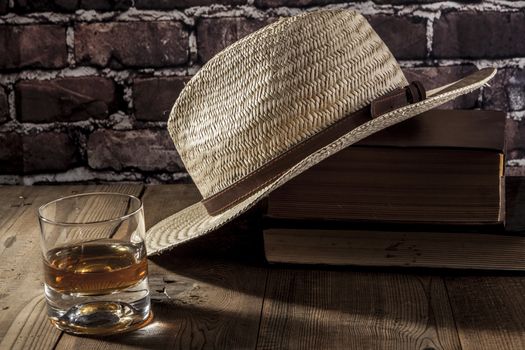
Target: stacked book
[{"x": 427, "y": 192}]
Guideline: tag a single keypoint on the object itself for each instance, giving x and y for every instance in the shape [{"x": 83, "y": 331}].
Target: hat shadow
[
  {"x": 347, "y": 314},
  {"x": 195, "y": 299},
  {"x": 192, "y": 326},
  {"x": 232, "y": 258}
]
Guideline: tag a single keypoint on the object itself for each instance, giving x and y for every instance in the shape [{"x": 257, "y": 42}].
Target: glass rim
[{"x": 98, "y": 222}]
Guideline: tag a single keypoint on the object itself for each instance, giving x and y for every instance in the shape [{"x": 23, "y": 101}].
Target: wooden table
[{"x": 218, "y": 292}]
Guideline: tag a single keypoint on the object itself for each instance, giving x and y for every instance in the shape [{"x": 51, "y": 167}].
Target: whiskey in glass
[{"x": 95, "y": 263}]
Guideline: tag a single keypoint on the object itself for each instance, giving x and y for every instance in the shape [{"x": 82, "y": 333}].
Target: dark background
[{"x": 86, "y": 86}]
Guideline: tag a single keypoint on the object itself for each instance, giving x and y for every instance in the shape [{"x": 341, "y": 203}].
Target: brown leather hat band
[{"x": 269, "y": 172}]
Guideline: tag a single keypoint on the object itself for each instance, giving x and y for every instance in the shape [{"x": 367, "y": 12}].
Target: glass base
[
  {"x": 102, "y": 318},
  {"x": 104, "y": 314}
]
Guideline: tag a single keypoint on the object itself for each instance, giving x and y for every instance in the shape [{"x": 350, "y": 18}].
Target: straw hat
[{"x": 279, "y": 101}]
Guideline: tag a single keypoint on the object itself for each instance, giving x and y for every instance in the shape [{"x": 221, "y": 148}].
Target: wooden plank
[
  {"x": 328, "y": 309},
  {"x": 206, "y": 294},
  {"x": 13, "y": 201},
  {"x": 400, "y": 249},
  {"x": 489, "y": 311},
  {"x": 23, "y": 321}
]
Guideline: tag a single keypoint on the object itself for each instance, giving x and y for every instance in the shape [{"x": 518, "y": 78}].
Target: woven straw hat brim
[{"x": 194, "y": 221}]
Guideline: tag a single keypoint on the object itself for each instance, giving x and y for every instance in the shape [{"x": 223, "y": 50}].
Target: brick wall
[{"x": 86, "y": 85}]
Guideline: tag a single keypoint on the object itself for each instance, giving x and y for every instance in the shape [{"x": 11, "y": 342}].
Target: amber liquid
[{"x": 95, "y": 267}]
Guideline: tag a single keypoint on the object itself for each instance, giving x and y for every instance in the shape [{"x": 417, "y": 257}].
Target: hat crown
[{"x": 275, "y": 88}]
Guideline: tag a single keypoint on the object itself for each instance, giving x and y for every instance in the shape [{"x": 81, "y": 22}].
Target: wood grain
[
  {"x": 14, "y": 201},
  {"x": 400, "y": 249},
  {"x": 205, "y": 296},
  {"x": 355, "y": 310},
  {"x": 209, "y": 294},
  {"x": 23, "y": 321},
  {"x": 489, "y": 311}
]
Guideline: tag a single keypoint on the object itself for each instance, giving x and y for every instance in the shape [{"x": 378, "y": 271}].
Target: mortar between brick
[{"x": 70, "y": 45}]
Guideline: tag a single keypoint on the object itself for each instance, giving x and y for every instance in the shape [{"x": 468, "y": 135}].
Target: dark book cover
[{"x": 441, "y": 167}]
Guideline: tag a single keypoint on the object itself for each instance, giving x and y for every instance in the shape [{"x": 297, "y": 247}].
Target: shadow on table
[{"x": 231, "y": 260}]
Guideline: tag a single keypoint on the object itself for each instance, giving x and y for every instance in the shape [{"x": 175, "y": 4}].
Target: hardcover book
[
  {"x": 443, "y": 166},
  {"x": 429, "y": 192}
]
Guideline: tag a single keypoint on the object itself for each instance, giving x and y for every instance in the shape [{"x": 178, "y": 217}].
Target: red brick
[
  {"x": 4, "y": 107},
  {"x": 132, "y": 44},
  {"x": 154, "y": 97},
  {"x": 433, "y": 77},
  {"x": 40, "y": 46},
  {"x": 304, "y": 3},
  {"x": 65, "y": 99},
  {"x": 405, "y": 36},
  {"x": 103, "y": 5},
  {"x": 45, "y": 5},
  {"x": 505, "y": 91},
  {"x": 69, "y": 5},
  {"x": 147, "y": 150},
  {"x": 479, "y": 35},
  {"x": 173, "y": 4},
  {"x": 11, "y": 161},
  {"x": 49, "y": 152},
  {"x": 407, "y": 2},
  {"x": 214, "y": 34},
  {"x": 515, "y": 139},
  {"x": 294, "y": 3}
]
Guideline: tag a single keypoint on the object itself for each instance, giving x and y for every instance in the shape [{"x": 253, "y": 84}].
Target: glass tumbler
[{"x": 95, "y": 263}]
